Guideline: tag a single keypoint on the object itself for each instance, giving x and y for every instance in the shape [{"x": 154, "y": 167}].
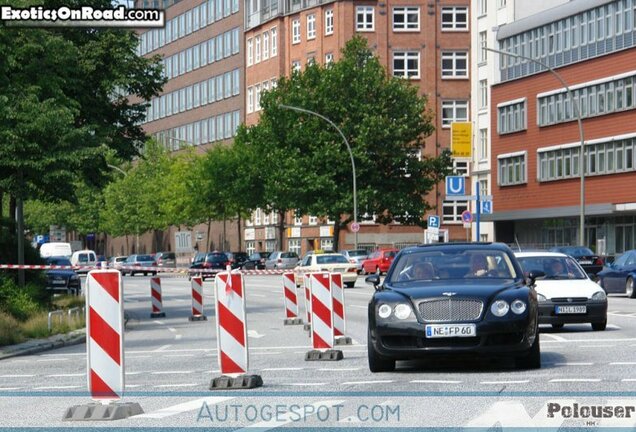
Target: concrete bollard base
[
  {"x": 198, "y": 318},
  {"x": 102, "y": 412},
  {"x": 157, "y": 314},
  {"x": 343, "y": 340},
  {"x": 328, "y": 355},
  {"x": 225, "y": 382},
  {"x": 293, "y": 321}
]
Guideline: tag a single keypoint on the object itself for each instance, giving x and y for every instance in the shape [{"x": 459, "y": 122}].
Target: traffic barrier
[
  {"x": 231, "y": 331},
  {"x": 104, "y": 350},
  {"x": 290, "y": 299},
  {"x": 307, "y": 289},
  {"x": 197, "y": 300},
  {"x": 339, "y": 319},
  {"x": 322, "y": 330},
  {"x": 155, "y": 298}
]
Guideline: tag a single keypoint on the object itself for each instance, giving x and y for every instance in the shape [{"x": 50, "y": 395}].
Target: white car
[
  {"x": 566, "y": 293},
  {"x": 328, "y": 262}
]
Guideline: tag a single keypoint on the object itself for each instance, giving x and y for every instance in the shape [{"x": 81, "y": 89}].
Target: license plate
[
  {"x": 570, "y": 309},
  {"x": 450, "y": 330},
  {"x": 59, "y": 282},
  {"x": 585, "y": 262}
]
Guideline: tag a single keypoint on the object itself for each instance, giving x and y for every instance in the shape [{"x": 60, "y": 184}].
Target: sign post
[{"x": 455, "y": 190}]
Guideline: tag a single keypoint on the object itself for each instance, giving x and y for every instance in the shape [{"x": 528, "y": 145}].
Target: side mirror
[
  {"x": 534, "y": 275},
  {"x": 374, "y": 280}
]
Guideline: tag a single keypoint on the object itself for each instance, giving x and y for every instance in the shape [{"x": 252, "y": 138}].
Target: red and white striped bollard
[
  {"x": 155, "y": 298},
  {"x": 339, "y": 313},
  {"x": 290, "y": 300},
  {"x": 197, "y": 299},
  {"x": 322, "y": 330}
]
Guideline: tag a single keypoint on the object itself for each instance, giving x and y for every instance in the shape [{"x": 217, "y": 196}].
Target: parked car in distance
[
  {"x": 453, "y": 298},
  {"x": 281, "y": 260},
  {"x": 619, "y": 276},
  {"x": 590, "y": 262},
  {"x": 166, "y": 259},
  {"x": 209, "y": 261},
  {"x": 237, "y": 259},
  {"x": 56, "y": 249},
  {"x": 65, "y": 280},
  {"x": 256, "y": 261},
  {"x": 84, "y": 258},
  {"x": 139, "y": 261},
  {"x": 328, "y": 262},
  {"x": 116, "y": 262},
  {"x": 379, "y": 261},
  {"x": 566, "y": 294},
  {"x": 356, "y": 256}
]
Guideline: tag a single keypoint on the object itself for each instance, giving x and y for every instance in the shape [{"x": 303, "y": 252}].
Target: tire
[
  {"x": 154, "y": 273},
  {"x": 350, "y": 284},
  {"x": 377, "y": 362},
  {"x": 532, "y": 358},
  {"x": 558, "y": 326},
  {"x": 629, "y": 288},
  {"x": 145, "y": 274},
  {"x": 599, "y": 326}
]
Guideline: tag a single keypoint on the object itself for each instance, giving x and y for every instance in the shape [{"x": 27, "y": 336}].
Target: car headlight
[
  {"x": 384, "y": 311},
  {"x": 402, "y": 311},
  {"x": 541, "y": 297},
  {"x": 518, "y": 306},
  {"x": 500, "y": 308},
  {"x": 74, "y": 277},
  {"x": 599, "y": 295}
]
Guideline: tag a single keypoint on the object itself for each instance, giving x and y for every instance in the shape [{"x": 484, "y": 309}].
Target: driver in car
[{"x": 478, "y": 266}]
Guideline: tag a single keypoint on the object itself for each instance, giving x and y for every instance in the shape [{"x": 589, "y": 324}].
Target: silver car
[
  {"x": 356, "y": 256},
  {"x": 281, "y": 260}
]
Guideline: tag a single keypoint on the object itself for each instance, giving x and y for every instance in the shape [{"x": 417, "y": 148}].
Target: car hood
[
  {"x": 467, "y": 288},
  {"x": 567, "y": 288}
]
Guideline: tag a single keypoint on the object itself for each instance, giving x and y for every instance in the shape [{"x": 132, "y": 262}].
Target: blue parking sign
[{"x": 433, "y": 221}]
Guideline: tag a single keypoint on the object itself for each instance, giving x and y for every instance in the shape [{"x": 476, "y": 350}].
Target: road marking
[
  {"x": 176, "y": 385},
  {"x": 137, "y": 357},
  {"x": 561, "y": 380},
  {"x": 173, "y": 330},
  {"x": 158, "y": 322},
  {"x": 179, "y": 355},
  {"x": 133, "y": 385},
  {"x": 162, "y": 348},
  {"x": 338, "y": 369},
  {"x": 66, "y": 375},
  {"x": 368, "y": 382},
  {"x": 628, "y": 379},
  {"x": 622, "y": 340},
  {"x": 435, "y": 382},
  {"x": 283, "y": 369},
  {"x": 177, "y": 337},
  {"x": 133, "y": 373},
  {"x": 555, "y": 337},
  {"x": 172, "y": 372},
  {"x": 505, "y": 382},
  {"x": 56, "y": 387},
  {"x": 183, "y": 407},
  {"x": 613, "y": 327},
  {"x": 286, "y": 418},
  {"x": 269, "y": 353},
  {"x": 573, "y": 364},
  {"x": 597, "y": 346},
  {"x": 254, "y": 334},
  {"x": 52, "y": 359},
  {"x": 9, "y": 388},
  {"x": 304, "y": 384},
  {"x": 622, "y": 363},
  {"x": 17, "y": 376}
]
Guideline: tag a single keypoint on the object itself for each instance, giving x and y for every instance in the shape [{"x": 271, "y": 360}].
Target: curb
[{"x": 38, "y": 345}]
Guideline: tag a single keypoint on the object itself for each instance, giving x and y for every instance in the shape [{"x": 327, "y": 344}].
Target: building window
[
  {"x": 483, "y": 43},
  {"x": 364, "y": 18},
  {"x": 257, "y": 49},
  {"x": 455, "y": 64},
  {"x": 460, "y": 167},
  {"x": 452, "y": 211},
  {"x": 406, "y": 19},
  {"x": 274, "y": 33},
  {"x": 511, "y": 117},
  {"x": 265, "y": 45},
  {"x": 483, "y": 144},
  {"x": 329, "y": 22},
  {"x": 293, "y": 245},
  {"x": 406, "y": 64},
  {"x": 454, "y": 18},
  {"x": 483, "y": 94},
  {"x": 250, "y": 100},
  {"x": 328, "y": 58},
  {"x": 250, "y": 52},
  {"x": 296, "y": 31},
  {"x": 454, "y": 111},
  {"x": 483, "y": 7},
  {"x": 295, "y": 66},
  {"x": 512, "y": 169},
  {"x": 326, "y": 244},
  {"x": 313, "y": 220},
  {"x": 257, "y": 217},
  {"x": 257, "y": 97},
  {"x": 250, "y": 247},
  {"x": 311, "y": 26},
  {"x": 298, "y": 220}
]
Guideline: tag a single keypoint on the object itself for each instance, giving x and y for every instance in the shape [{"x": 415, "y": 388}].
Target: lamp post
[
  {"x": 353, "y": 164},
  {"x": 579, "y": 120}
]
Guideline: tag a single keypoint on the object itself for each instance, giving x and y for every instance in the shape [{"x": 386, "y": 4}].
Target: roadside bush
[
  {"x": 16, "y": 301},
  {"x": 9, "y": 330}
]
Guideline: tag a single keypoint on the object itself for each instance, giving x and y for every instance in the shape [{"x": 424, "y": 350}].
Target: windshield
[
  {"x": 357, "y": 253},
  {"x": 553, "y": 267},
  {"x": 144, "y": 258},
  {"x": 59, "y": 261},
  {"x": 217, "y": 257},
  {"x": 331, "y": 259},
  {"x": 441, "y": 265},
  {"x": 577, "y": 251}
]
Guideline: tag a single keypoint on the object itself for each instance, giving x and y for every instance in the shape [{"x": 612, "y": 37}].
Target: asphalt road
[{"x": 170, "y": 362}]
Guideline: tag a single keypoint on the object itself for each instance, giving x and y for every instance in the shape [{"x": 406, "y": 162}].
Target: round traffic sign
[
  {"x": 467, "y": 216},
  {"x": 355, "y": 227}
]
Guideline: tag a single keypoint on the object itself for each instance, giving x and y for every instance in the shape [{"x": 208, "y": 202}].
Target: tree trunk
[
  {"x": 127, "y": 249},
  {"x": 207, "y": 240},
  {"x": 336, "y": 236},
  {"x": 281, "y": 229},
  {"x": 223, "y": 240},
  {"x": 239, "y": 248}
]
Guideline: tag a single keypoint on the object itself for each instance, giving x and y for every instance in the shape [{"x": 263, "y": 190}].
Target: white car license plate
[
  {"x": 585, "y": 262},
  {"x": 450, "y": 330},
  {"x": 570, "y": 309},
  {"x": 59, "y": 282}
]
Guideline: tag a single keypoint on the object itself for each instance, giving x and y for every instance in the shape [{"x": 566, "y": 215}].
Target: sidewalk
[{"x": 38, "y": 345}]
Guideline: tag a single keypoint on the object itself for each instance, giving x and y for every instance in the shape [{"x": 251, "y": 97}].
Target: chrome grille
[{"x": 451, "y": 309}]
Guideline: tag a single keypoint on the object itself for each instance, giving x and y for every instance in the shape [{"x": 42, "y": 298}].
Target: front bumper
[
  {"x": 596, "y": 312},
  {"x": 407, "y": 340}
]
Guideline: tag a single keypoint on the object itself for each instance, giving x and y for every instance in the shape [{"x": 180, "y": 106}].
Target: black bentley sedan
[{"x": 453, "y": 298}]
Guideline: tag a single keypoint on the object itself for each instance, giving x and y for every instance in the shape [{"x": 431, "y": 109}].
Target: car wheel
[
  {"x": 558, "y": 326},
  {"x": 599, "y": 326},
  {"x": 629, "y": 288},
  {"x": 145, "y": 274},
  {"x": 532, "y": 358},
  {"x": 377, "y": 362},
  {"x": 154, "y": 273},
  {"x": 350, "y": 284}
]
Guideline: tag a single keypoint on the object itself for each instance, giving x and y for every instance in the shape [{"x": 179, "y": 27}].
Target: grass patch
[
  {"x": 66, "y": 301},
  {"x": 36, "y": 326},
  {"x": 9, "y": 330}
]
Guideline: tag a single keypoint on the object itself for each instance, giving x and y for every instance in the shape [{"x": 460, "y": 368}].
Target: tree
[{"x": 305, "y": 164}]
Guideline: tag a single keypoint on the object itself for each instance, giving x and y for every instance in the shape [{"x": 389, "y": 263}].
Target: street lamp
[
  {"x": 353, "y": 164},
  {"x": 579, "y": 120}
]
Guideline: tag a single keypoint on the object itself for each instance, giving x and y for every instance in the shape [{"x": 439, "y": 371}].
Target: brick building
[{"x": 535, "y": 139}]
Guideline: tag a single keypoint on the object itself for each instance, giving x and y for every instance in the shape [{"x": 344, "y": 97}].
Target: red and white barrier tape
[{"x": 140, "y": 269}]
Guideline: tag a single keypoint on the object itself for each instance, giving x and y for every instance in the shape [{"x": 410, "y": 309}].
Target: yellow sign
[{"x": 461, "y": 139}]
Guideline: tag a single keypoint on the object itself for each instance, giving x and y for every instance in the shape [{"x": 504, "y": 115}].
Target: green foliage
[{"x": 15, "y": 301}]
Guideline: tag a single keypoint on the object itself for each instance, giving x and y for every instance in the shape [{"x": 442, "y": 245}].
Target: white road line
[
  {"x": 305, "y": 384},
  {"x": 137, "y": 357},
  {"x": 134, "y": 373},
  {"x": 597, "y": 346},
  {"x": 172, "y": 372},
  {"x": 162, "y": 348},
  {"x": 287, "y": 417},
  {"x": 179, "y": 355},
  {"x": 183, "y": 407},
  {"x": 52, "y": 359},
  {"x": 554, "y": 337},
  {"x": 269, "y": 353},
  {"x": 66, "y": 375},
  {"x": 173, "y": 330},
  {"x": 283, "y": 369},
  {"x": 56, "y": 387},
  {"x": 9, "y": 388},
  {"x": 368, "y": 382},
  {"x": 505, "y": 382},
  {"x": 158, "y": 322},
  {"x": 338, "y": 369},
  {"x": 177, "y": 337},
  {"x": 133, "y": 385},
  {"x": 562, "y": 380},
  {"x": 17, "y": 376},
  {"x": 628, "y": 380},
  {"x": 621, "y": 340},
  {"x": 435, "y": 382},
  {"x": 613, "y": 326},
  {"x": 176, "y": 385},
  {"x": 622, "y": 363},
  {"x": 573, "y": 364}
]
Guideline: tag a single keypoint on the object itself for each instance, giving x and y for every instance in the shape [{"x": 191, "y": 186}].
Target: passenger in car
[
  {"x": 423, "y": 271},
  {"x": 478, "y": 266}
]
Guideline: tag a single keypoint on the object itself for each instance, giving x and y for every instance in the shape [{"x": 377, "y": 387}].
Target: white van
[
  {"x": 56, "y": 249},
  {"x": 84, "y": 258}
]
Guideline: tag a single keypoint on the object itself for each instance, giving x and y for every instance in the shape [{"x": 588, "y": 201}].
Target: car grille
[
  {"x": 569, "y": 299},
  {"x": 451, "y": 309}
]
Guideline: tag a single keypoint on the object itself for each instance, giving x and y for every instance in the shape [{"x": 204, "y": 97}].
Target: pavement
[{"x": 169, "y": 363}]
